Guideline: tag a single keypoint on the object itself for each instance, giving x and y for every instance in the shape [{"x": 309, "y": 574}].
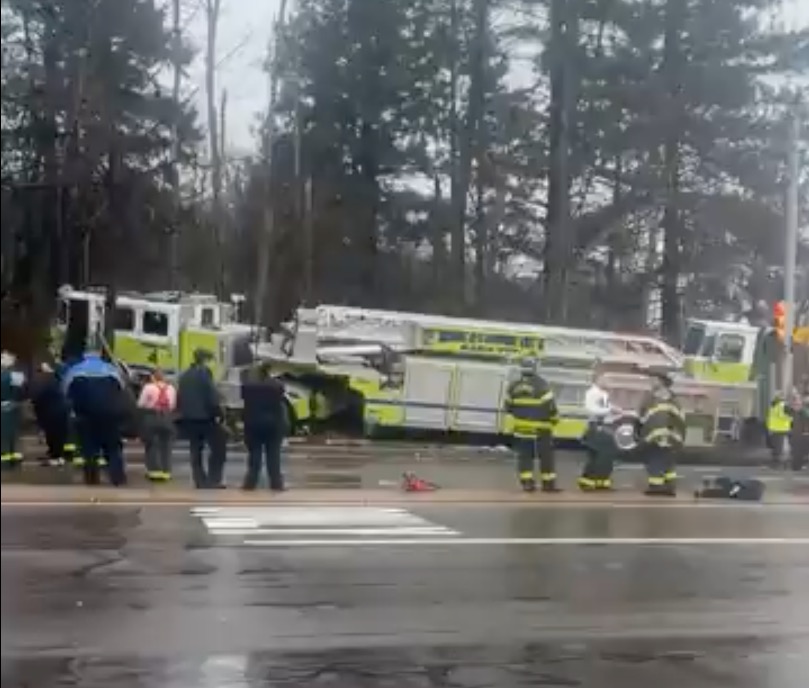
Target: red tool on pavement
[{"x": 412, "y": 483}]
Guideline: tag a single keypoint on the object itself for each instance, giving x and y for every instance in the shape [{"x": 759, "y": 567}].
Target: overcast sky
[{"x": 244, "y": 32}]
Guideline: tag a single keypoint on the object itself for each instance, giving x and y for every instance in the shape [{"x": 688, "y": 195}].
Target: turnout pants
[
  {"x": 158, "y": 440},
  {"x": 263, "y": 446},
  {"x": 100, "y": 438},
  {"x": 660, "y": 470},
  {"x": 600, "y": 447},
  {"x": 531, "y": 448},
  {"x": 10, "y": 433},
  {"x": 56, "y": 429}
]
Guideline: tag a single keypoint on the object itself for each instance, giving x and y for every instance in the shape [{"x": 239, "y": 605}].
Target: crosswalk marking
[{"x": 281, "y": 526}]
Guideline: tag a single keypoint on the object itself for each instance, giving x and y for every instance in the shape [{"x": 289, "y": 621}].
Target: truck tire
[{"x": 625, "y": 433}]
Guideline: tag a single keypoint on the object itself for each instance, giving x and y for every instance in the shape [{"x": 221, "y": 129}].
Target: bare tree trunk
[
  {"x": 268, "y": 219},
  {"x": 614, "y": 251},
  {"x": 457, "y": 271},
  {"x": 438, "y": 235},
  {"x": 212, "y": 8},
  {"x": 114, "y": 229},
  {"x": 558, "y": 254},
  {"x": 174, "y": 260},
  {"x": 672, "y": 222},
  {"x": 474, "y": 145},
  {"x": 481, "y": 235},
  {"x": 308, "y": 256}
]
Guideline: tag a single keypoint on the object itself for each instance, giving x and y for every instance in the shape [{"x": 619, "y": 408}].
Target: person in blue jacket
[{"x": 97, "y": 394}]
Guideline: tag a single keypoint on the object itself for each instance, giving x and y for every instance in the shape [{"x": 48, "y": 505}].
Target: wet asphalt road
[{"x": 451, "y": 596}]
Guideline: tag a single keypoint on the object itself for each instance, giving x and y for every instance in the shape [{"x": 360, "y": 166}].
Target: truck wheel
[{"x": 625, "y": 434}]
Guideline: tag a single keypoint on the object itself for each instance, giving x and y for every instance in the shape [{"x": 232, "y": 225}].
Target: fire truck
[{"x": 394, "y": 372}]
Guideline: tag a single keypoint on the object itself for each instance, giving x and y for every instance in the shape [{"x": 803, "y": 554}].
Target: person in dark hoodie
[
  {"x": 98, "y": 396},
  {"x": 200, "y": 415},
  {"x": 265, "y": 422},
  {"x": 52, "y": 415}
]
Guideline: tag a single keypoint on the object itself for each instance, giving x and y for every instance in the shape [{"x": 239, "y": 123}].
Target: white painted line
[
  {"x": 230, "y": 523},
  {"x": 317, "y": 516},
  {"x": 419, "y": 530},
  {"x": 528, "y": 541}
]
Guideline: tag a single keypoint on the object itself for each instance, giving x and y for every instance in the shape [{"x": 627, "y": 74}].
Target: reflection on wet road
[{"x": 118, "y": 597}]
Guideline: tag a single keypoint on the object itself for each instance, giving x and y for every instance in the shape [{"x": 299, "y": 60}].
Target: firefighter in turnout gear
[
  {"x": 531, "y": 404},
  {"x": 662, "y": 435},
  {"x": 13, "y": 392}
]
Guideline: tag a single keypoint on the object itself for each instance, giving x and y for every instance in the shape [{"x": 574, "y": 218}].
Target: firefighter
[
  {"x": 12, "y": 386},
  {"x": 662, "y": 434},
  {"x": 779, "y": 424},
  {"x": 799, "y": 437},
  {"x": 531, "y": 403},
  {"x": 98, "y": 396},
  {"x": 598, "y": 440},
  {"x": 52, "y": 415}
]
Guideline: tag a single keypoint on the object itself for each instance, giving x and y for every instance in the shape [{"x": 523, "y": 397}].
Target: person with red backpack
[{"x": 158, "y": 399}]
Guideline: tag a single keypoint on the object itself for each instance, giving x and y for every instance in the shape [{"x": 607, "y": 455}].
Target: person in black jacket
[
  {"x": 200, "y": 413},
  {"x": 52, "y": 415},
  {"x": 265, "y": 422}
]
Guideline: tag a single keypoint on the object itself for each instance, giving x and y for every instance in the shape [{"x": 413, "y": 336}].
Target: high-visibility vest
[{"x": 778, "y": 421}]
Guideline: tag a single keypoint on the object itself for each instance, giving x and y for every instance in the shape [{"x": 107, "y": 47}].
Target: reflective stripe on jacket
[
  {"x": 532, "y": 405},
  {"x": 662, "y": 422},
  {"x": 778, "y": 420}
]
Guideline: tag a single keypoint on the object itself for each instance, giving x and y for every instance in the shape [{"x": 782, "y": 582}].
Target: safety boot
[
  {"x": 661, "y": 491},
  {"x": 586, "y": 484},
  {"x": 528, "y": 484}
]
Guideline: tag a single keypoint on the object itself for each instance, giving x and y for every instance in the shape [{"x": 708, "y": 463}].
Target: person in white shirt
[
  {"x": 598, "y": 440},
  {"x": 158, "y": 399}
]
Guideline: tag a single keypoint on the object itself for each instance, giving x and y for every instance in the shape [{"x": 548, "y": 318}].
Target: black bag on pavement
[{"x": 747, "y": 490}]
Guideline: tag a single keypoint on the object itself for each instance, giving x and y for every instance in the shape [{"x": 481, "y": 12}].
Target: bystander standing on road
[
  {"x": 158, "y": 401},
  {"x": 200, "y": 415},
  {"x": 265, "y": 425}
]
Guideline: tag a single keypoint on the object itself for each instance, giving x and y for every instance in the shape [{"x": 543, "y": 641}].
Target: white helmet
[{"x": 7, "y": 359}]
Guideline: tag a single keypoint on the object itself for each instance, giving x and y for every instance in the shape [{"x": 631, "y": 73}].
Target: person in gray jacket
[{"x": 200, "y": 414}]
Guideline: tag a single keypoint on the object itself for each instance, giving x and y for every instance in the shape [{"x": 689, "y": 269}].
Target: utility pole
[{"x": 790, "y": 257}]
